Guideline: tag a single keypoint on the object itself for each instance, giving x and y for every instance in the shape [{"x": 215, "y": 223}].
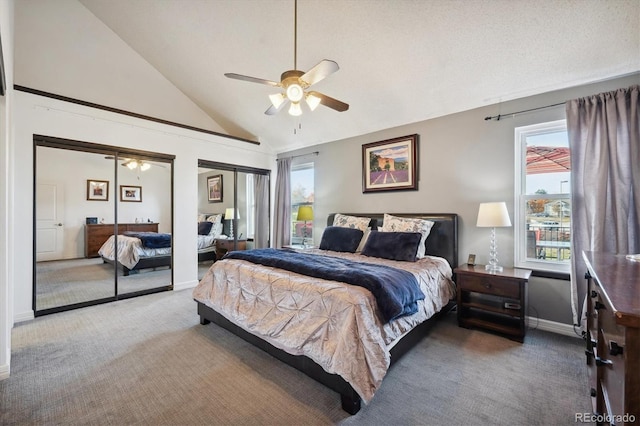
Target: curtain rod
[
  {"x": 301, "y": 155},
  {"x": 513, "y": 114}
]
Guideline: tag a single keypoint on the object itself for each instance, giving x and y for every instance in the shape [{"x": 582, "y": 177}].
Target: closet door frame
[{"x": 117, "y": 152}]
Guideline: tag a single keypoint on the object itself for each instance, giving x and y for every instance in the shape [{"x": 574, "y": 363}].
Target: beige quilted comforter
[{"x": 337, "y": 325}]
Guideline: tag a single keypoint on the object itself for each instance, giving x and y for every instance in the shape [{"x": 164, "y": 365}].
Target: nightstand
[
  {"x": 495, "y": 301},
  {"x": 223, "y": 246}
]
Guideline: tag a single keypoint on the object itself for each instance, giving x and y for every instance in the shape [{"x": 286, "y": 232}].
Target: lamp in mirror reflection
[
  {"x": 493, "y": 215},
  {"x": 231, "y": 214}
]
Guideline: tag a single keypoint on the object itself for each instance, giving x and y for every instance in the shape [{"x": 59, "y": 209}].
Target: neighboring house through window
[{"x": 543, "y": 200}]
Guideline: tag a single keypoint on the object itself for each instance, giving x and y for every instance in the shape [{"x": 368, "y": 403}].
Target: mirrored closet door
[
  {"x": 233, "y": 210},
  {"x": 102, "y": 224}
]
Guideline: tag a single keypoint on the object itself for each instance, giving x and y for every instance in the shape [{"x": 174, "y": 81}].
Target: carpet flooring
[{"x": 148, "y": 361}]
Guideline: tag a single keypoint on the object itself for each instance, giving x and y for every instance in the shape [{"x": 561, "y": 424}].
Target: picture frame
[
  {"x": 390, "y": 165},
  {"x": 214, "y": 189},
  {"x": 97, "y": 190},
  {"x": 472, "y": 260},
  {"x": 130, "y": 193}
]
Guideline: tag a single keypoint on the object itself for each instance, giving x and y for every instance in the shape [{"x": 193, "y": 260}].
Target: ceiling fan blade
[
  {"x": 272, "y": 110},
  {"x": 251, "y": 79},
  {"x": 322, "y": 69},
  {"x": 330, "y": 102}
]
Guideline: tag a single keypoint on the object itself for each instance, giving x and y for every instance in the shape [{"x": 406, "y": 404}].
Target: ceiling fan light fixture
[
  {"x": 277, "y": 99},
  {"x": 295, "y": 92},
  {"x": 145, "y": 166},
  {"x": 313, "y": 101},
  {"x": 132, "y": 164},
  {"x": 295, "y": 109}
]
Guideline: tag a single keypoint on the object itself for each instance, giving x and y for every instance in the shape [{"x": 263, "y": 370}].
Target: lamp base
[{"x": 493, "y": 268}]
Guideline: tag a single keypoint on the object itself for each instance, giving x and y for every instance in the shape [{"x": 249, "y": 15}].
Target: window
[
  {"x": 543, "y": 202},
  {"x": 302, "y": 194}
]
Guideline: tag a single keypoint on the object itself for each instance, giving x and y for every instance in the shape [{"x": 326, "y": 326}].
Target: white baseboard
[
  {"x": 185, "y": 285},
  {"x": 551, "y": 326},
  {"x": 4, "y": 371},
  {"x": 23, "y": 316}
]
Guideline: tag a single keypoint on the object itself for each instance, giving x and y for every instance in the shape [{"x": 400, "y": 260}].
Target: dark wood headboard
[{"x": 442, "y": 240}]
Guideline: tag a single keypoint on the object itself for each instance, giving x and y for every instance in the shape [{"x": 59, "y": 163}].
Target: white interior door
[{"x": 49, "y": 221}]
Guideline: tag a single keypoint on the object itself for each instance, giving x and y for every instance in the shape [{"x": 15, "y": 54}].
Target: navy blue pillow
[
  {"x": 337, "y": 238},
  {"x": 393, "y": 245},
  {"x": 204, "y": 228}
]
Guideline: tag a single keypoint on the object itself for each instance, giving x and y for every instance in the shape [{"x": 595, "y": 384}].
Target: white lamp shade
[
  {"x": 493, "y": 215},
  {"x": 229, "y": 214},
  {"x": 305, "y": 213}
]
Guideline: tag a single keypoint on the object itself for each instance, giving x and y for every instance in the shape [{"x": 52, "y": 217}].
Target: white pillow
[
  {"x": 345, "y": 221},
  {"x": 202, "y": 217},
  {"x": 406, "y": 224},
  {"x": 215, "y": 218}
]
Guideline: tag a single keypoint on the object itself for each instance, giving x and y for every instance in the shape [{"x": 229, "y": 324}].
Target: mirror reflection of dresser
[{"x": 95, "y": 235}]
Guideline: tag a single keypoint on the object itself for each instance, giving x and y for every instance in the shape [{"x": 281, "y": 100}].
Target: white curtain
[
  {"x": 604, "y": 137},
  {"x": 282, "y": 210},
  {"x": 261, "y": 194}
]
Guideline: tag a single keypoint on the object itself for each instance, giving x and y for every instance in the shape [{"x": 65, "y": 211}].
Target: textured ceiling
[{"x": 401, "y": 61}]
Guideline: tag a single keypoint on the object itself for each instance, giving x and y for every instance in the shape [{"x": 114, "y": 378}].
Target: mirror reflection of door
[
  {"x": 87, "y": 199},
  {"x": 237, "y": 218},
  {"x": 72, "y": 187},
  {"x": 144, "y": 225}
]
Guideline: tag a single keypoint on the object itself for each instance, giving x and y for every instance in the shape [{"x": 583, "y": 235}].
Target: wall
[
  {"x": 463, "y": 161},
  {"x": 37, "y": 115},
  {"x": 6, "y": 191},
  {"x": 72, "y": 169}
]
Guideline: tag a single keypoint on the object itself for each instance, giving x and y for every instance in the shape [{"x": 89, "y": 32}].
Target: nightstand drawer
[{"x": 490, "y": 285}]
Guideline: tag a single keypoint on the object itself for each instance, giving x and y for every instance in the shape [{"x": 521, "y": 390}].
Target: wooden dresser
[
  {"x": 96, "y": 235},
  {"x": 613, "y": 337}
]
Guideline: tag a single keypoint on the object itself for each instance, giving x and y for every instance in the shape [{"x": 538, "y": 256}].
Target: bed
[
  {"x": 148, "y": 250},
  {"x": 364, "y": 334}
]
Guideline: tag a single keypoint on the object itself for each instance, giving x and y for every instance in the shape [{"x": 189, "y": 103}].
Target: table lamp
[
  {"x": 493, "y": 215},
  {"x": 305, "y": 213}
]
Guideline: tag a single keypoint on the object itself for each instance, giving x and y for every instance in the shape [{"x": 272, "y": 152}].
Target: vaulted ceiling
[{"x": 401, "y": 61}]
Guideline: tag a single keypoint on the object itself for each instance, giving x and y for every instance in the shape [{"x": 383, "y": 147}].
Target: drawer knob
[
  {"x": 600, "y": 361},
  {"x": 486, "y": 285},
  {"x": 615, "y": 349}
]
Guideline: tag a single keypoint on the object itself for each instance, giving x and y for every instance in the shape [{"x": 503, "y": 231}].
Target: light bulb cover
[
  {"x": 313, "y": 101},
  {"x": 295, "y": 109},
  {"x": 295, "y": 92},
  {"x": 277, "y": 99}
]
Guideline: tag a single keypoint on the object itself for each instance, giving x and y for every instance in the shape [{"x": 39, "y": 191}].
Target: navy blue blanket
[
  {"x": 151, "y": 239},
  {"x": 396, "y": 291}
]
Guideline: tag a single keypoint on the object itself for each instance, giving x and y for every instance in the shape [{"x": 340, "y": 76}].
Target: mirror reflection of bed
[
  {"x": 235, "y": 216},
  {"x": 73, "y": 222}
]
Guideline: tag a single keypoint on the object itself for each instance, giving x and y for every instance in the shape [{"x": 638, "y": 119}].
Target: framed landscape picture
[
  {"x": 97, "y": 190},
  {"x": 390, "y": 165},
  {"x": 214, "y": 189},
  {"x": 130, "y": 193}
]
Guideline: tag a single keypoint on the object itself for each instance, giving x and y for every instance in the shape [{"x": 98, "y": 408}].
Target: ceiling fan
[
  {"x": 295, "y": 83},
  {"x": 132, "y": 163}
]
